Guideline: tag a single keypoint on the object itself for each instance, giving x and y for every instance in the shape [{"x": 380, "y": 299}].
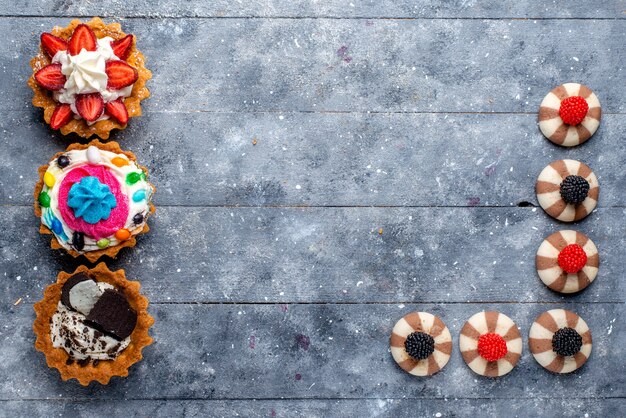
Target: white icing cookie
[
  {"x": 548, "y": 188},
  {"x": 553, "y": 275},
  {"x": 542, "y": 336},
  {"x": 477, "y": 332},
  {"x": 426, "y": 323},
  {"x": 553, "y": 127}
]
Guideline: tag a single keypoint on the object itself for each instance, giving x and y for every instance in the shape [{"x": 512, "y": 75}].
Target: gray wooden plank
[
  {"x": 352, "y": 65},
  {"x": 338, "y": 351},
  {"x": 334, "y": 8},
  {"x": 285, "y": 255},
  {"x": 568, "y": 407},
  {"x": 329, "y": 159}
]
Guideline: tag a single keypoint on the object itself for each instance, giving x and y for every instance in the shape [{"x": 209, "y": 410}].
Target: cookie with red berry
[
  {"x": 570, "y": 114},
  {"x": 421, "y": 344},
  {"x": 490, "y": 344},
  {"x": 89, "y": 78},
  {"x": 560, "y": 341},
  {"x": 567, "y": 190},
  {"x": 567, "y": 261}
]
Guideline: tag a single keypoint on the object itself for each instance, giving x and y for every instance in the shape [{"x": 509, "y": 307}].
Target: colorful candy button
[
  {"x": 44, "y": 200},
  {"x": 119, "y": 161},
  {"x": 63, "y": 161},
  {"x": 139, "y": 195},
  {"x": 122, "y": 234},
  {"x": 56, "y": 226},
  {"x": 102, "y": 243},
  {"x": 133, "y": 178},
  {"x": 49, "y": 179},
  {"x": 93, "y": 155}
]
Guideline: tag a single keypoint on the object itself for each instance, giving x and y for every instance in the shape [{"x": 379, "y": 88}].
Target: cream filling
[
  {"x": 86, "y": 73},
  {"x": 80, "y": 341},
  {"x": 78, "y": 158}
]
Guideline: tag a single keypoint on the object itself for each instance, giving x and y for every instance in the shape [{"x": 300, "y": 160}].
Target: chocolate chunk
[{"x": 113, "y": 315}]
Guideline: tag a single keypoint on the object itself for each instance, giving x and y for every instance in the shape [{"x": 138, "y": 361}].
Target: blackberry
[
  {"x": 566, "y": 342},
  {"x": 419, "y": 345},
  {"x": 574, "y": 189}
]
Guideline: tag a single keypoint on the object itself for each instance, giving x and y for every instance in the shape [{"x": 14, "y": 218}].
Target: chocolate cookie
[
  {"x": 490, "y": 344},
  {"x": 567, "y": 261},
  {"x": 567, "y": 190},
  {"x": 570, "y": 114},
  {"x": 421, "y": 344},
  {"x": 560, "y": 341}
]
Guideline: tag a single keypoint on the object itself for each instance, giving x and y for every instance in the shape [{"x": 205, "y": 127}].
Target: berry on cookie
[
  {"x": 421, "y": 344},
  {"x": 569, "y": 114},
  {"x": 490, "y": 344}
]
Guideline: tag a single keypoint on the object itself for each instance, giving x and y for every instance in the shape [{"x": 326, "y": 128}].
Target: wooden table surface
[{"x": 394, "y": 167}]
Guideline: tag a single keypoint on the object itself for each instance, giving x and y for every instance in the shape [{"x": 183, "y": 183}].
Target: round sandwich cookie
[
  {"x": 560, "y": 341},
  {"x": 421, "y": 344},
  {"x": 490, "y": 344},
  {"x": 567, "y": 190},
  {"x": 570, "y": 114},
  {"x": 92, "y": 324},
  {"x": 567, "y": 261},
  {"x": 94, "y": 198},
  {"x": 89, "y": 78}
]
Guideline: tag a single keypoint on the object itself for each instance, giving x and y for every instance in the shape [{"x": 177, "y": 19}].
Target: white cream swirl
[{"x": 86, "y": 73}]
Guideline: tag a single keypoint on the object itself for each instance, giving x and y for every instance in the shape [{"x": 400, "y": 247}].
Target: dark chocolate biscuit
[{"x": 113, "y": 315}]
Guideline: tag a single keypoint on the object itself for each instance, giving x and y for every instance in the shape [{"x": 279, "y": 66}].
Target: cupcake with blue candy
[{"x": 94, "y": 199}]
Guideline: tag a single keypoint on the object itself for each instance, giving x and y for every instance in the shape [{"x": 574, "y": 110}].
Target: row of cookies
[
  {"x": 567, "y": 261},
  {"x": 490, "y": 343},
  {"x": 94, "y": 199}
]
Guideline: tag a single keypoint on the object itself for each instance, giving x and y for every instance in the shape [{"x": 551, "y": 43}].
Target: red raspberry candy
[
  {"x": 491, "y": 346},
  {"x": 573, "y": 110},
  {"x": 572, "y": 258}
]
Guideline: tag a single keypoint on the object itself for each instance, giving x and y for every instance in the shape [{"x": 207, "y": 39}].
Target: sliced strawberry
[
  {"x": 50, "y": 77},
  {"x": 117, "y": 110},
  {"x": 52, "y": 44},
  {"x": 82, "y": 38},
  {"x": 121, "y": 47},
  {"x": 90, "y": 106},
  {"x": 120, "y": 74},
  {"x": 61, "y": 116}
]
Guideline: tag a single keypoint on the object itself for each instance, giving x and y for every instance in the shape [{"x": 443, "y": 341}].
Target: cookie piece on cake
[
  {"x": 570, "y": 114},
  {"x": 421, "y": 344},
  {"x": 560, "y": 341},
  {"x": 567, "y": 190},
  {"x": 490, "y": 344},
  {"x": 567, "y": 261}
]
